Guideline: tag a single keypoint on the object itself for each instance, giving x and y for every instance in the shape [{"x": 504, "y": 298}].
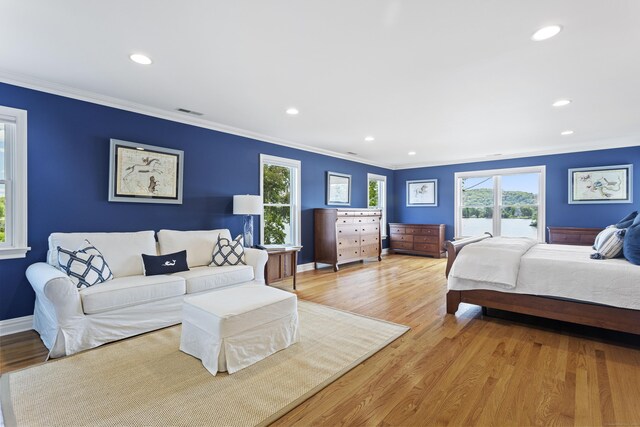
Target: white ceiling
[{"x": 453, "y": 80}]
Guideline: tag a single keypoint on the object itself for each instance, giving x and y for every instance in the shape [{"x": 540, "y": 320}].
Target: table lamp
[{"x": 247, "y": 205}]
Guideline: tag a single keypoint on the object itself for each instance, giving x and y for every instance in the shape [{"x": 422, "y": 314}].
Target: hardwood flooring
[{"x": 467, "y": 369}]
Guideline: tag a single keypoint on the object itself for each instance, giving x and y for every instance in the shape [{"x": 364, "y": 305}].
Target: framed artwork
[
  {"x": 604, "y": 184},
  {"x": 142, "y": 173},
  {"x": 422, "y": 192},
  {"x": 338, "y": 189}
]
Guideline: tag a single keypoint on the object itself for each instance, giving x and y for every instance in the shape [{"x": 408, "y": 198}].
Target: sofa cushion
[
  {"x": 129, "y": 291},
  {"x": 201, "y": 279},
  {"x": 85, "y": 266},
  {"x": 198, "y": 244},
  {"x": 120, "y": 250}
]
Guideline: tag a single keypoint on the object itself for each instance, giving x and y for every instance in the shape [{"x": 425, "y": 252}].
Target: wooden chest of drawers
[
  {"x": 573, "y": 235},
  {"x": 420, "y": 239},
  {"x": 346, "y": 235}
]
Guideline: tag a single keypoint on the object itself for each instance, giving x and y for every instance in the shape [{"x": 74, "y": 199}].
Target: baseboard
[
  {"x": 310, "y": 265},
  {"x": 305, "y": 267},
  {"x": 15, "y": 325}
]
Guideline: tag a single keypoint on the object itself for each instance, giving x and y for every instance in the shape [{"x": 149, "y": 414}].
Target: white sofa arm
[
  {"x": 257, "y": 258},
  {"x": 55, "y": 288}
]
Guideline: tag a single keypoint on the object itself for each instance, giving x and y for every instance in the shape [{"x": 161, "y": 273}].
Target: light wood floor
[{"x": 467, "y": 369}]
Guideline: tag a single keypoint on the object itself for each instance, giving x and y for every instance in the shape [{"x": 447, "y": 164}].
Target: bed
[{"x": 554, "y": 281}]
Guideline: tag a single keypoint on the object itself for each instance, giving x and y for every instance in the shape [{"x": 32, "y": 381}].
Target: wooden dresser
[
  {"x": 419, "y": 239},
  {"x": 346, "y": 235},
  {"x": 573, "y": 235}
]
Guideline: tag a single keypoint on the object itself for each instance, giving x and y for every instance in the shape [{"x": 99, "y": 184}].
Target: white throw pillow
[
  {"x": 85, "y": 266},
  {"x": 609, "y": 243},
  {"x": 228, "y": 252}
]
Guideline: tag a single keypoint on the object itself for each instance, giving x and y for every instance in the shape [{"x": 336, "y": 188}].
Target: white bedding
[{"x": 567, "y": 272}]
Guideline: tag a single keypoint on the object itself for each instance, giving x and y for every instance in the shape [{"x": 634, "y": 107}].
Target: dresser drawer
[
  {"x": 426, "y": 239},
  {"x": 344, "y": 220},
  {"x": 370, "y": 228},
  {"x": 369, "y": 251},
  {"x": 426, "y": 247},
  {"x": 349, "y": 253},
  {"x": 397, "y": 230},
  {"x": 402, "y": 237},
  {"x": 398, "y": 244},
  {"x": 348, "y": 241},
  {"x": 369, "y": 239},
  {"x": 348, "y": 229},
  {"x": 422, "y": 231}
]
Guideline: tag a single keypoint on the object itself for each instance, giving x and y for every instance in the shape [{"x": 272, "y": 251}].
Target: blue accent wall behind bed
[
  {"x": 559, "y": 212},
  {"x": 68, "y": 170}
]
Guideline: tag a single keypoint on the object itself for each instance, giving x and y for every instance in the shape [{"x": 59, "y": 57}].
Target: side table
[{"x": 280, "y": 265}]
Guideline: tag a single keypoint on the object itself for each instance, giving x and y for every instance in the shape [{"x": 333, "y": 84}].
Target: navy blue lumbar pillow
[
  {"x": 165, "y": 264},
  {"x": 631, "y": 244},
  {"x": 627, "y": 220}
]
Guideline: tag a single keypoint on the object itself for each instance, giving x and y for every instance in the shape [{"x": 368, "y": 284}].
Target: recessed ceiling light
[
  {"x": 369, "y": 138},
  {"x": 546, "y": 33},
  {"x": 561, "y": 102},
  {"x": 566, "y": 132},
  {"x": 139, "y": 58},
  {"x": 292, "y": 111},
  {"x": 411, "y": 153}
]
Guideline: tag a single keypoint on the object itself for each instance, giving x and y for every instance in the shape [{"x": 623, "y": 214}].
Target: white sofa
[{"x": 69, "y": 319}]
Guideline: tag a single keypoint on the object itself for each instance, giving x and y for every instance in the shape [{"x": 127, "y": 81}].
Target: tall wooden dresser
[
  {"x": 346, "y": 235},
  {"x": 419, "y": 239}
]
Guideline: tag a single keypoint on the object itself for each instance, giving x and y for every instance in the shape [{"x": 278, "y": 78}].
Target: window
[
  {"x": 504, "y": 202},
  {"x": 377, "y": 197},
  {"x": 13, "y": 183},
  {"x": 280, "y": 189}
]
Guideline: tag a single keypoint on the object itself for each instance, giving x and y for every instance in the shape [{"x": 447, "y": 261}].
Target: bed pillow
[
  {"x": 631, "y": 245},
  {"x": 165, "y": 264},
  {"x": 85, "y": 267},
  {"x": 609, "y": 243},
  {"x": 228, "y": 252},
  {"x": 627, "y": 220}
]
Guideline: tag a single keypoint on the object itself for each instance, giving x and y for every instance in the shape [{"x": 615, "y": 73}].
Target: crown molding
[
  {"x": 577, "y": 148},
  {"x": 122, "y": 104}
]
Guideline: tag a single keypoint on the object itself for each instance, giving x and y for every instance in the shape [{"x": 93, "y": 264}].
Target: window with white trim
[
  {"x": 504, "y": 202},
  {"x": 377, "y": 197},
  {"x": 280, "y": 191},
  {"x": 13, "y": 183}
]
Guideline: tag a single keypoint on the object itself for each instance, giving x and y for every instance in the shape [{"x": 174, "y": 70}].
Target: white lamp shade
[{"x": 247, "y": 205}]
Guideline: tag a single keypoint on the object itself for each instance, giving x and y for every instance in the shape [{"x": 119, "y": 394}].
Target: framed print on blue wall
[
  {"x": 603, "y": 184},
  {"x": 142, "y": 173},
  {"x": 338, "y": 189},
  {"x": 422, "y": 192}
]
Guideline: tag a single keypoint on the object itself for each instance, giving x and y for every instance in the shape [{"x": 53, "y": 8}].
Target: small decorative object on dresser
[
  {"x": 573, "y": 235},
  {"x": 419, "y": 239},
  {"x": 346, "y": 235}
]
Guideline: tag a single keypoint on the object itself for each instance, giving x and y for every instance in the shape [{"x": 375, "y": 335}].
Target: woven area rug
[{"x": 147, "y": 381}]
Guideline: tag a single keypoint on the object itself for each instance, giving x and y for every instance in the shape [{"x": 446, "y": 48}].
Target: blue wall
[
  {"x": 68, "y": 157},
  {"x": 559, "y": 212},
  {"x": 68, "y": 173}
]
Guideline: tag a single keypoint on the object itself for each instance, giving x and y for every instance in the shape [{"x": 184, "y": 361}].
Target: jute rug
[{"x": 147, "y": 381}]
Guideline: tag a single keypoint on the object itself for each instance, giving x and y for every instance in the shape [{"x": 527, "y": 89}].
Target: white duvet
[{"x": 562, "y": 271}]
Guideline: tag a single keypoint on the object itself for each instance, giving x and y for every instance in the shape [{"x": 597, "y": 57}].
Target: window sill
[{"x": 12, "y": 253}]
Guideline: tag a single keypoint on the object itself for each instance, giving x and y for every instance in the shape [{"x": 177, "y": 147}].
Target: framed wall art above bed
[{"x": 603, "y": 184}]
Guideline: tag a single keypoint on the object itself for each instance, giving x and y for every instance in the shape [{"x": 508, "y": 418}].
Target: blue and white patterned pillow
[
  {"x": 228, "y": 252},
  {"x": 609, "y": 243},
  {"x": 85, "y": 267}
]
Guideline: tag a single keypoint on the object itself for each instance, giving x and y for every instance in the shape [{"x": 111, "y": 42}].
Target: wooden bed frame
[{"x": 601, "y": 316}]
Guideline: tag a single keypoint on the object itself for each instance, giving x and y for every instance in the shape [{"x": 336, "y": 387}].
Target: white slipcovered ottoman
[{"x": 233, "y": 328}]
